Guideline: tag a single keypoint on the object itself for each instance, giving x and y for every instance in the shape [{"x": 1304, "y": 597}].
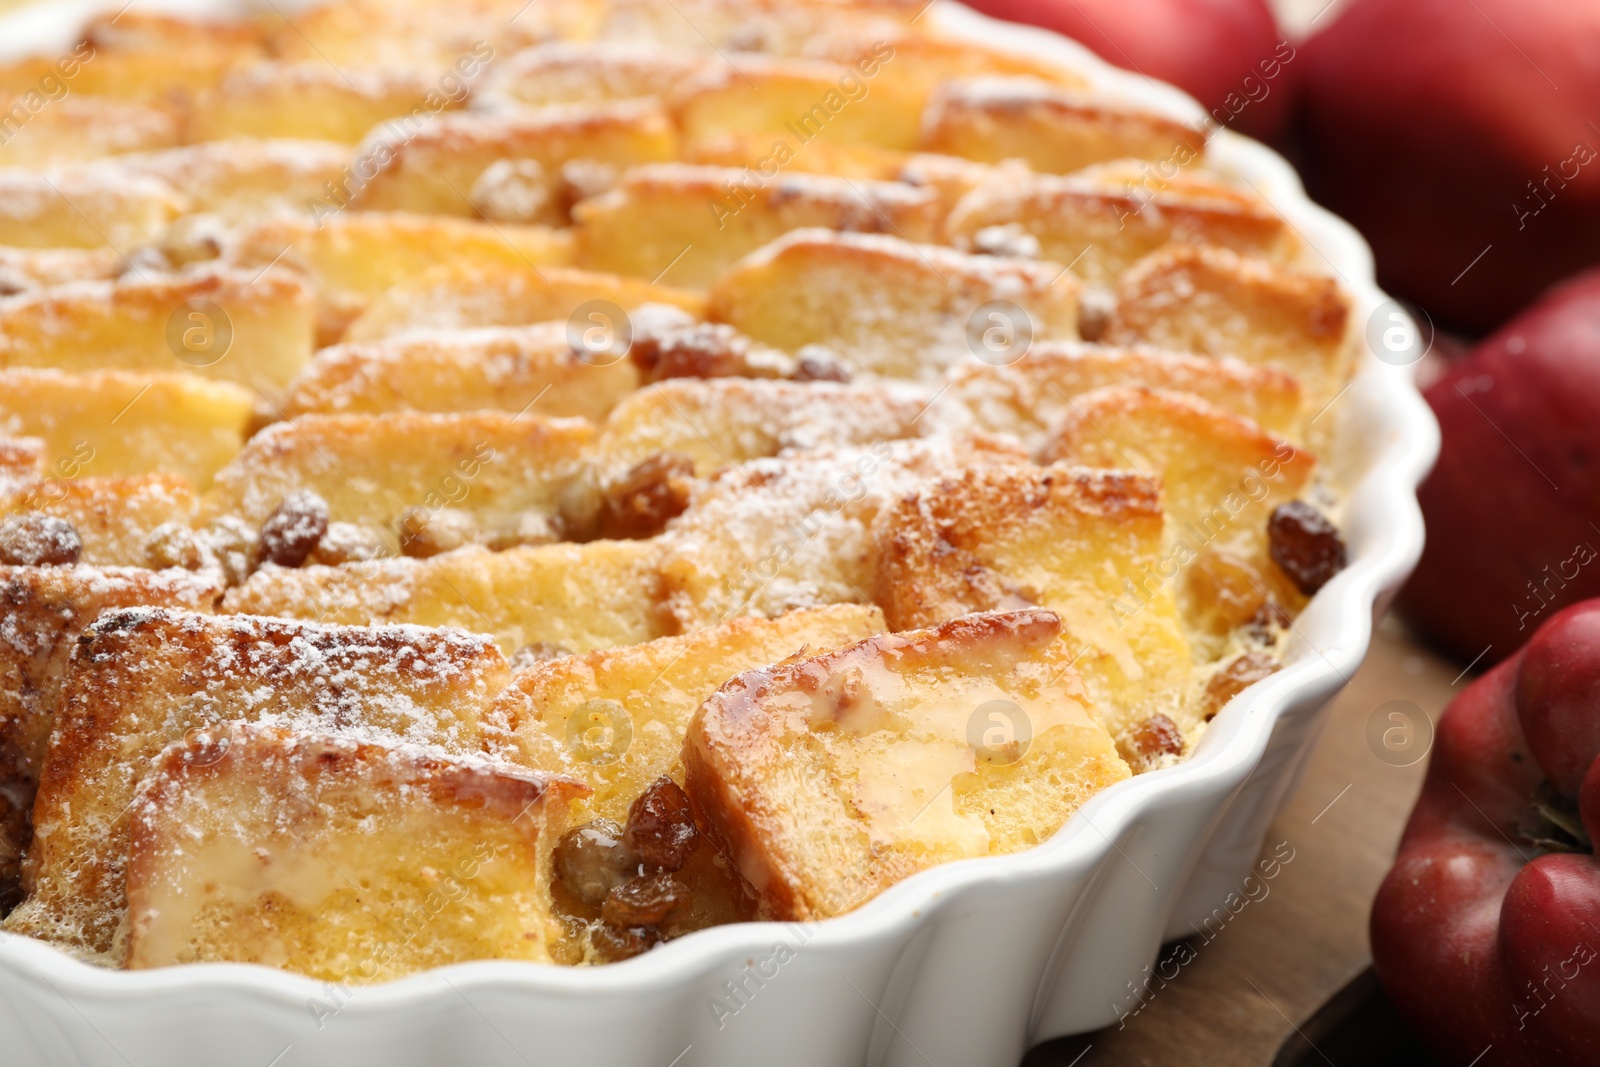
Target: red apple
[
  {"x": 1513, "y": 506},
  {"x": 1462, "y": 140},
  {"x": 1228, "y": 54}
]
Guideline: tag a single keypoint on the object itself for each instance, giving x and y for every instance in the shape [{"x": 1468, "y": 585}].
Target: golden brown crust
[
  {"x": 793, "y": 771},
  {"x": 342, "y": 843},
  {"x": 140, "y": 678},
  {"x": 44, "y": 609}
]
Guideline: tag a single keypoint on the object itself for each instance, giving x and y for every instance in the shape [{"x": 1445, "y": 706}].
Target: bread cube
[
  {"x": 1215, "y": 302},
  {"x": 509, "y": 368},
  {"x": 1221, "y": 476},
  {"x": 341, "y": 859},
  {"x": 800, "y": 100},
  {"x": 586, "y": 72},
  {"x": 573, "y": 597},
  {"x": 121, "y": 522},
  {"x": 455, "y": 296},
  {"x": 1028, "y": 397},
  {"x": 828, "y": 779},
  {"x": 392, "y": 475},
  {"x": 135, "y": 422},
  {"x": 315, "y": 101},
  {"x": 92, "y": 205},
  {"x": 74, "y": 128},
  {"x": 46, "y": 609},
  {"x": 433, "y": 171},
  {"x": 774, "y": 535},
  {"x": 355, "y": 257},
  {"x": 686, "y": 225},
  {"x": 645, "y": 695},
  {"x": 1100, "y": 232},
  {"x": 720, "y": 422},
  {"x": 893, "y": 309},
  {"x": 1067, "y": 539},
  {"x": 142, "y": 678},
  {"x": 245, "y": 179},
  {"x": 1050, "y": 128},
  {"x": 249, "y": 327}
]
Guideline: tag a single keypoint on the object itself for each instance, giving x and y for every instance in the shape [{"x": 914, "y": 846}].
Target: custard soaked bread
[
  {"x": 345, "y": 860},
  {"x": 561, "y": 418},
  {"x": 828, "y": 779},
  {"x": 142, "y": 678}
]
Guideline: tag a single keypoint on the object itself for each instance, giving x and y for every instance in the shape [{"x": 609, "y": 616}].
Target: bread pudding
[{"x": 534, "y": 482}]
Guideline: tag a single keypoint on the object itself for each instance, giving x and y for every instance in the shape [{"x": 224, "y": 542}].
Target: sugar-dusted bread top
[
  {"x": 346, "y": 860},
  {"x": 141, "y": 678},
  {"x": 830, "y": 778}
]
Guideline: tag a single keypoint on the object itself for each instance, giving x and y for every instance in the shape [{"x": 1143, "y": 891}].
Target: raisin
[
  {"x": 172, "y": 544},
  {"x": 1231, "y": 680},
  {"x": 819, "y": 363},
  {"x": 426, "y": 532},
  {"x": 1222, "y": 591},
  {"x": 1305, "y": 545},
  {"x": 661, "y": 827},
  {"x": 292, "y": 531},
  {"x": 592, "y": 860},
  {"x": 538, "y": 652},
  {"x": 641, "y": 502},
  {"x": 648, "y": 900},
  {"x": 1157, "y": 736},
  {"x": 614, "y": 943},
  {"x": 34, "y": 540}
]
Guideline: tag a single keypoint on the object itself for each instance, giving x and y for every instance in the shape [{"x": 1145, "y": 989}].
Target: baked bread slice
[
  {"x": 615, "y": 718},
  {"x": 142, "y": 678},
  {"x": 456, "y": 296},
  {"x": 532, "y": 369},
  {"x": 1028, "y": 397},
  {"x": 773, "y": 535},
  {"x": 828, "y": 779},
  {"x": 433, "y": 171},
  {"x": 492, "y": 476},
  {"x": 720, "y": 422},
  {"x": 134, "y": 422},
  {"x": 249, "y": 327},
  {"x": 686, "y": 225},
  {"x": 803, "y": 99},
  {"x": 354, "y": 257},
  {"x": 1051, "y": 128},
  {"x": 246, "y": 179},
  {"x": 1220, "y": 475},
  {"x": 893, "y": 309},
  {"x": 92, "y": 205},
  {"x": 1219, "y": 303},
  {"x": 586, "y": 72},
  {"x": 139, "y": 521},
  {"x": 573, "y": 597},
  {"x": 313, "y": 100},
  {"x": 346, "y": 860},
  {"x": 45, "y": 609},
  {"x": 1102, "y": 229},
  {"x": 77, "y": 128},
  {"x": 1071, "y": 540}
]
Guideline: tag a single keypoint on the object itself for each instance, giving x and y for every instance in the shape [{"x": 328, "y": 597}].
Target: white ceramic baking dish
[{"x": 965, "y": 965}]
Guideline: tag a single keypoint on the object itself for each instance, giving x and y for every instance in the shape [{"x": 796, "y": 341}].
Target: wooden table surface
[{"x": 1281, "y": 958}]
